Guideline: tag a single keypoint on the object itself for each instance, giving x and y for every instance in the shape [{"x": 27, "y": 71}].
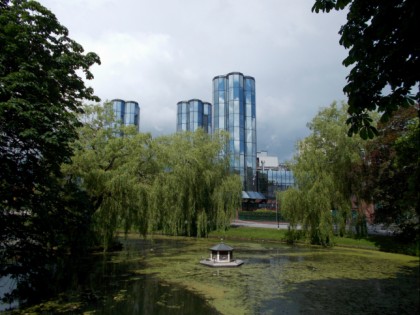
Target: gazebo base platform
[{"x": 212, "y": 263}]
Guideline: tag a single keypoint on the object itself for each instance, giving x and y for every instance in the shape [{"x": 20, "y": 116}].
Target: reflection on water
[
  {"x": 163, "y": 276},
  {"x": 106, "y": 284},
  {"x": 150, "y": 296},
  {"x": 7, "y": 284}
]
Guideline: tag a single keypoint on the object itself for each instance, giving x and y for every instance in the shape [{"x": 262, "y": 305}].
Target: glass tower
[
  {"x": 194, "y": 114},
  {"x": 234, "y": 111},
  {"x": 127, "y": 112}
]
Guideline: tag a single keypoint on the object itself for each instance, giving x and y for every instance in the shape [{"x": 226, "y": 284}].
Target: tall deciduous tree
[
  {"x": 384, "y": 52},
  {"x": 41, "y": 91},
  {"x": 195, "y": 193},
  {"x": 177, "y": 184},
  {"x": 115, "y": 165},
  {"x": 393, "y": 175},
  {"x": 323, "y": 175}
]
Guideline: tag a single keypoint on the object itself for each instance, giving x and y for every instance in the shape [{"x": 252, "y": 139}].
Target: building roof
[
  {"x": 267, "y": 161},
  {"x": 234, "y": 72},
  {"x": 252, "y": 195},
  {"x": 221, "y": 247}
]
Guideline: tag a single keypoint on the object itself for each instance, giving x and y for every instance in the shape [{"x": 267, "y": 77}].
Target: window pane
[
  {"x": 221, "y": 84},
  {"x": 221, "y": 96},
  {"x": 236, "y": 94},
  {"x": 236, "y": 107},
  {"x": 236, "y": 120}
]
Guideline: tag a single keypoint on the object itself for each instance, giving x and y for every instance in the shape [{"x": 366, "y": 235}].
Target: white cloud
[{"x": 164, "y": 51}]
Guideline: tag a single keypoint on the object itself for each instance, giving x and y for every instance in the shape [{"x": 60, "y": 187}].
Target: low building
[{"x": 272, "y": 176}]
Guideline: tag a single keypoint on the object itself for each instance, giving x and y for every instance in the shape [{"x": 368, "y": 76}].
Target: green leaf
[
  {"x": 379, "y": 39},
  {"x": 363, "y": 133}
]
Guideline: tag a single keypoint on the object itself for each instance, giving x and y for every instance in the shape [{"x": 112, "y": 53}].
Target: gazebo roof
[{"x": 222, "y": 247}]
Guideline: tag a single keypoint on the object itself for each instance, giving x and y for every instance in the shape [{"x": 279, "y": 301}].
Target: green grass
[
  {"x": 376, "y": 242},
  {"x": 355, "y": 242},
  {"x": 249, "y": 233}
]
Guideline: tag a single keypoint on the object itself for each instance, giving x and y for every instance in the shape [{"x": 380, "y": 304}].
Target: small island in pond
[{"x": 221, "y": 255}]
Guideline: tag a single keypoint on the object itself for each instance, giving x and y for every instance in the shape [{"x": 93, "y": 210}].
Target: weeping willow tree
[
  {"x": 115, "y": 165},
  {"x": 324, "y": 178},
  {"x": 195, "y": 192}
]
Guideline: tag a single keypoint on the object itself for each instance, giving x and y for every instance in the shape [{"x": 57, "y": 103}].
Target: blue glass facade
[
  {"x": 194, "y": 114},
  {"x": 183, "y": 117},
  {"x": 234, "y": 111},
  {"x": 127, "y": 112},
  {"x": 207, "y": 118},
  {"x": 276, "y": 179},
  {"x": 119, "y": 108}
]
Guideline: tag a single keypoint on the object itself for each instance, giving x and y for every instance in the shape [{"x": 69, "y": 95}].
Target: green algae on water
[
  {"x": 279, "y": 277},
  {"x": 153, "y": 275}
]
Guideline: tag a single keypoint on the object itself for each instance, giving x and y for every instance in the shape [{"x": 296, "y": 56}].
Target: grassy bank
[{"x": 374, "y": 242}]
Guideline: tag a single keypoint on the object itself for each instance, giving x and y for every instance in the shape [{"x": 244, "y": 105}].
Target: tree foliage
[
  {"x": 175, "y": 184},
  {"x": 195, "y": 193},
  {"x": 384, "y": 52},
  {"x": 40, "y": 93},
  {"x": 323, "y": 176},
  {"x": 115, "y": 166},
  {"x": 393, "y": 176}
]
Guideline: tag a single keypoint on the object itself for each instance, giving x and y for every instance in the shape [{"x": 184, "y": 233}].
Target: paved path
[{"x": 269, "y": 225}]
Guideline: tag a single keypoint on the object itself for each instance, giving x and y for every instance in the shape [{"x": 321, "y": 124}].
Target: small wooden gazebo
[{"x": 221, "y": 255}]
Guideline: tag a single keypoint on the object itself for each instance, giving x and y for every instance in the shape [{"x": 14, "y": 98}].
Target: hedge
[{"x": 259, "y": 216}]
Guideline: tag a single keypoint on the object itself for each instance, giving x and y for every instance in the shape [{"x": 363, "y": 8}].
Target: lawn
[{"x": 375, "y": 242}]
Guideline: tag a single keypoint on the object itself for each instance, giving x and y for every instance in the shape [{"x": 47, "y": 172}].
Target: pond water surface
[{"x": 162, "y": 276}]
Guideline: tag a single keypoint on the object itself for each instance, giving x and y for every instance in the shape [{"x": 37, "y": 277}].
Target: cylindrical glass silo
[
  {"x": 219, "y": 102},
  {"x": 250, "y": 131},
  {"x": 234, "y": 111},
  {"x": 235, "y": 115},
  {"x": 182, "y": 116},
  {"x": 132, "y": 114},
  {"x": 126, "y": 112},
  {"x": 118, "y": 107},
  {"x": 194, "y": 114},
  {"x": 207, "y": 118}
]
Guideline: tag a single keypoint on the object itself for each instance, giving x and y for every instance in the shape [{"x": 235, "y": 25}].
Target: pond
[{"x": 161, "y": 275}]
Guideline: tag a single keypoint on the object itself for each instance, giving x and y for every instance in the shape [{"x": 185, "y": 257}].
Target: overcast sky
[{"x": 163, "y": 51}]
